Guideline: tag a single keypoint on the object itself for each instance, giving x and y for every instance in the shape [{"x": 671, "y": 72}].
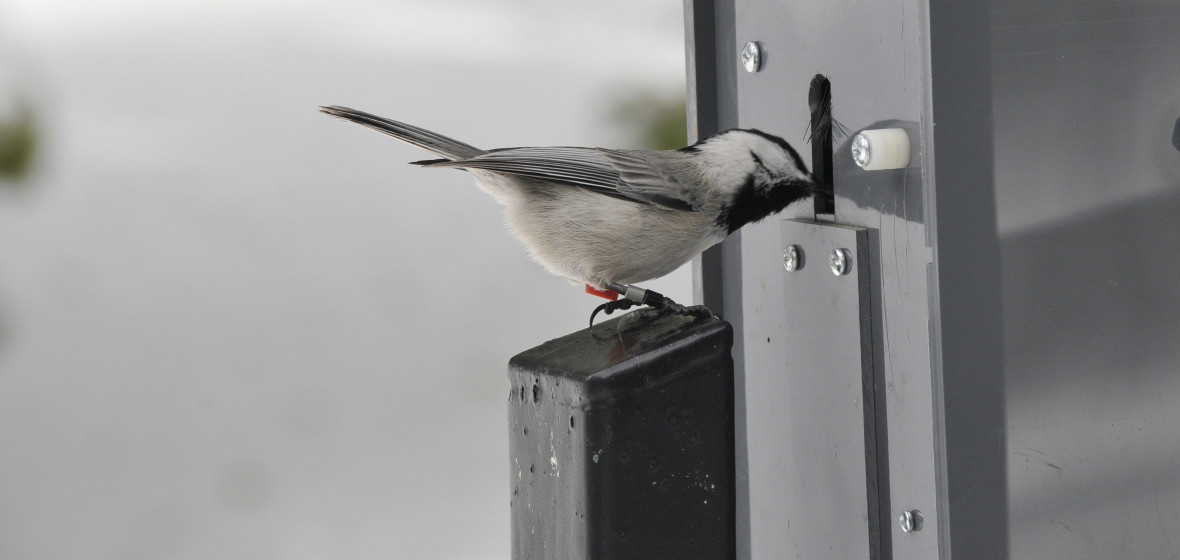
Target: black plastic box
[{"x": 622, "y": 442}]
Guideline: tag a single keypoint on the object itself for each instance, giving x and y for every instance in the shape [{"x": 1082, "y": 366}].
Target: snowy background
[{"x": 232, "y": 327}]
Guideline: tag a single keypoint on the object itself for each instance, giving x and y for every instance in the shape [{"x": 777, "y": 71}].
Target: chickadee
[{"x": 612, "y": 218}]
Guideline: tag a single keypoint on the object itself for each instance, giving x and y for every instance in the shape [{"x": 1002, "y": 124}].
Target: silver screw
[
  {"x": 792, "y": 258},
  {"x": 862, "y": 150},
  {"x": 910, "y": 521},
  {"x": 752, "y": 56},
  {"x": 840, "y": 261}
]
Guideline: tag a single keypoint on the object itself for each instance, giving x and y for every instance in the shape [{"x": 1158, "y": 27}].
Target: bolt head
[
  {"x": 910, "y": 521},
  {"x": 862, "y": 150},
  {"x": 840, "y": 261},
  {"x": 792, "y": 258},
  {"x": 752, "y": 56}
]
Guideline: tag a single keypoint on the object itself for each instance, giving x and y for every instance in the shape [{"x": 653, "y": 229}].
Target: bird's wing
[
  {"x": 655, "y": 177},
  {"x": 628, "y": 174}
]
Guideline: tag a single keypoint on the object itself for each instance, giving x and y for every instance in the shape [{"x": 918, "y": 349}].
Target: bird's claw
[
  {"x": 610, "y": 307},
  {"x": 657, "y": 303}
]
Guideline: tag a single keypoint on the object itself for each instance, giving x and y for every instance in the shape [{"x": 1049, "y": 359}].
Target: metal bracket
[{"x": 824, "y": 409}]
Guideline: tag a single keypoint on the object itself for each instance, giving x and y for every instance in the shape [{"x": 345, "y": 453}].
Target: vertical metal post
[
  {"x": 711, "y": 73},
  {"x": 966, "y": 306}
]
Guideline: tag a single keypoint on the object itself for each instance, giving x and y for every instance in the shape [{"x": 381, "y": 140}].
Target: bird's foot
[
  {"x": 657, "y": 303},
  {"x": 699, "y": 311},
  {"x": 610, "y": 307}
]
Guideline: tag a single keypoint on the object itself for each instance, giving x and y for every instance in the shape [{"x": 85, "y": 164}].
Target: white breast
[{"x": 595, "y": 239}]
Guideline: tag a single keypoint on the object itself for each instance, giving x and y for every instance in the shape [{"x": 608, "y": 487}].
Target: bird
[{"x": 613, "y": 218}]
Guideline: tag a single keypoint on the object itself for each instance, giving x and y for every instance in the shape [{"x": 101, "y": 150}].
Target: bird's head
[{"x": 759, "y": 174}]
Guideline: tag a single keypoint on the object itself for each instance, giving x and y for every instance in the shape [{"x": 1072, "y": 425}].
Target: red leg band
[{"x": 604, "y": 294}]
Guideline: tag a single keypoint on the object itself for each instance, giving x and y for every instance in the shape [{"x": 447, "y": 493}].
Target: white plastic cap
[{"x": 883, "y": 148}]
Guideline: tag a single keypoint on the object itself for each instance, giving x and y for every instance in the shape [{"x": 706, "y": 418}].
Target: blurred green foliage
[
  {"x": 18, "y": 143},
  {"x": 657, "y": 120}
]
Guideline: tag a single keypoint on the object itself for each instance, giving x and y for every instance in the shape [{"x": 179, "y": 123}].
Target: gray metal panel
[
  {"x": 1085, "y": 98},
  {"x": 808, "y": 488},
  {"x": 1054, "y": 165},
  {"x": 875, "y": 55}
]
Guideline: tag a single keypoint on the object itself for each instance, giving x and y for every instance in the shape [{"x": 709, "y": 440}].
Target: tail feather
[
  {"x": 431, "y": 162},
  {"x": 447, "y": 147}
]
